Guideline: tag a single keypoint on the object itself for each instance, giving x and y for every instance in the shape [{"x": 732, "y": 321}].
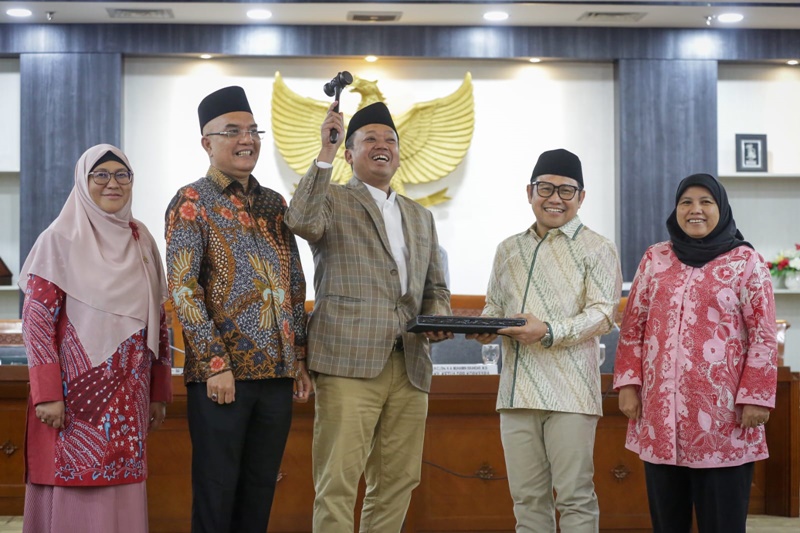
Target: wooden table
[{"x": 463, "y": 484}]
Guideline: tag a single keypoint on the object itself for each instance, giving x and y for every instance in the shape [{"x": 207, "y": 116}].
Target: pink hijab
[{"x": 108, "y": 265}]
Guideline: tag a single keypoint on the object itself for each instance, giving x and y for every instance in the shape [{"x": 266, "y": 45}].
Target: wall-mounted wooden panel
[
  {"x": 590, "y": 44},
  {"x": 69, "y": 103},
  {"x": 667, "y": 120}
]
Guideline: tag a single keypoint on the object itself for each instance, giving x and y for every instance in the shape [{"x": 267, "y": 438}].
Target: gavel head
[{"x": 340, "y": 81}]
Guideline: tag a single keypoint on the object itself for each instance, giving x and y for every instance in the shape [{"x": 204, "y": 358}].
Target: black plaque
[{"x": 461, "y": 324}]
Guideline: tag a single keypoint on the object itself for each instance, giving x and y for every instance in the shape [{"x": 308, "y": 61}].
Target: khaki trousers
[
  {"x": 547, "y": 450},
  {"x": 371, "y": 426}
]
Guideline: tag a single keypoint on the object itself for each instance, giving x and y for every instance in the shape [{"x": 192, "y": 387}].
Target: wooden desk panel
[{"x": 463, "y": 486}]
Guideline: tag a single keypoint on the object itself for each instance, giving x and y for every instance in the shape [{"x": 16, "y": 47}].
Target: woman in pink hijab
[{"x": 98, "y": 352}]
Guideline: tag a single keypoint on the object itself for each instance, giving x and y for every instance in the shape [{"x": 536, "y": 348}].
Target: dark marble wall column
[
  {"x": 667, "y": 130},
  {"x": 69, "y": 102}
]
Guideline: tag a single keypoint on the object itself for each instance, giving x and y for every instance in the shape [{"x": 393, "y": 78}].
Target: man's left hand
[
  {"x": 303, "y": 388},
  {"x": 436, "y": 336},
  {"x": 531, "y": 333}
]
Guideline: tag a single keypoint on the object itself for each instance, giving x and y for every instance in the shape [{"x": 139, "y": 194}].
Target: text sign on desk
[{"x": 478, "y": 369}]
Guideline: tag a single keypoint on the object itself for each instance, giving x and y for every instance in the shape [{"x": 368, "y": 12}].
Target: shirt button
[
  {"x": 145, "y": 259},
  {"x": 393, "y": 272}
]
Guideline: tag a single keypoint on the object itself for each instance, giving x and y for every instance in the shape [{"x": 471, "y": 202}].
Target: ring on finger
[{"x": 214, "y": 397}]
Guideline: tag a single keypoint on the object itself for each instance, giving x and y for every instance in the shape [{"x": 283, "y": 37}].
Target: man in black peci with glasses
[
  {"x": 238, "y": 289},
  {"x": 565, "y": 280}
]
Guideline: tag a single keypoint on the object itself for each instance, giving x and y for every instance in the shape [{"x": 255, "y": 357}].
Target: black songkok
[
  {"x": 376, "y": 113},
  {"x": 559, "y": 163},
  {"x": 110, "y": 156},
  {"x": 227, "y": 100}
]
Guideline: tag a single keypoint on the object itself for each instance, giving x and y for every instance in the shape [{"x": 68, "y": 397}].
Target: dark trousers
[
  {"x": 720, "y": 497},
  {"x": 236, "y": 453}
]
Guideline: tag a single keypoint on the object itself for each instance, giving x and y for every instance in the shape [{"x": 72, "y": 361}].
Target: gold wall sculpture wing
[
  {"x": 295, "y": 126},
  {"x": 434, "y": 135}
]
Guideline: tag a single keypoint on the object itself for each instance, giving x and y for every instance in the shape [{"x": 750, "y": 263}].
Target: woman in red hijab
[{"x": 98, "y": 353}]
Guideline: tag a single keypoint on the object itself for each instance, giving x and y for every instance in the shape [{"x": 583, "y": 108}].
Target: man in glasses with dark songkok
[
  {"x": 238, "y": 289},
  {"x": 565, "y": 280}
]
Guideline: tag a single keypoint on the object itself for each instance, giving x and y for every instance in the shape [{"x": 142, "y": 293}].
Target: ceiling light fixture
[
  {"x": 19, "y": 12},
  {"x": 206, "y": 56},
  {"x": 259, "y": 14},
  {"x": 371, "y": 59},
  {"x": 730, "y": 18},
  {"x": 535, "y": 60},
  {"x": 495, "y": 16},
  {"x": 793, "y": 62}
]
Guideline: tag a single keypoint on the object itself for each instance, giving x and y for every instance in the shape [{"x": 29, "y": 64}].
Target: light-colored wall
[
  {"x": 9, "y": 179},
  {"x": 521, "y": 109},
  {"x": 10, "y": 108},
  {"x": 9, "y": 163},
  {"x": 760, "y": 99},
  {"x": 763, "y": 99}
]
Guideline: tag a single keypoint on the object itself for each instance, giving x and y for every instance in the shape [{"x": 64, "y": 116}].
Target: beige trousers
[
  {"x": 371, "y": 426},
  {"x": 547, "y": 450}
]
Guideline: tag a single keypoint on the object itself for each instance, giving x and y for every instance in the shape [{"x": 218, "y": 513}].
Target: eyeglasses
[
  {"x": 546, "y": 190},
  {"x": 256, "y": 135},
  {"x": 102, "y": 177}
]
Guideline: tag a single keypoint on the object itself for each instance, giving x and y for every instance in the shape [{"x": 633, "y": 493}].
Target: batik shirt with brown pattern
[{"x": 235, "y": 279}]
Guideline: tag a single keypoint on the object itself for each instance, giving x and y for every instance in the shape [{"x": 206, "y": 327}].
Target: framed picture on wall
[{"x": 751, "y": 152}]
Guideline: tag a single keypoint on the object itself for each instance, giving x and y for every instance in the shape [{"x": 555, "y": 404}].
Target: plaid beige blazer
[{"x": 357, "y": 311}]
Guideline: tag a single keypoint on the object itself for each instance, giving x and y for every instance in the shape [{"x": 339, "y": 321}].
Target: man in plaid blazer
[{"x": 377, "y": 265}]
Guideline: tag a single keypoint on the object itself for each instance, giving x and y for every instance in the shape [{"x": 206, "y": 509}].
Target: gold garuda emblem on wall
[{"x": 434, "y": 135}]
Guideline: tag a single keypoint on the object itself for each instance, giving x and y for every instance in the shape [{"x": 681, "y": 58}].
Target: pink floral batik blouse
[{"x": 700, "y": 343}]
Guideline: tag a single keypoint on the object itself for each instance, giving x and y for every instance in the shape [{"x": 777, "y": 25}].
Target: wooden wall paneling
[
  {"x": 667, "y": 130},
  {"x": 618, "y": 473},
  {"x": 69, "y": 102},
  {"x": 464, "y": 480},
  {"x": 13, "y": 411},
  {"x": 294, "y": 493},
  {"x": 462, "y": 433},
  {"x": 587, "y": 44},
  {"x": 169, "y": 468},
  {"x": 782, "y": 493}
]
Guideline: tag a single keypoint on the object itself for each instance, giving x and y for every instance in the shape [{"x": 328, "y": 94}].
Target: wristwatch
[{"x": 547, "y": 339}]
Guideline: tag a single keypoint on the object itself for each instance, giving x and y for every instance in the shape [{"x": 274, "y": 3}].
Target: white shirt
[{"x": 393, "y": 220}]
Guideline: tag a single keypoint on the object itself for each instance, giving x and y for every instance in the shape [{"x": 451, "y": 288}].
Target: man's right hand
[
  {"x": 221, "y": 388},
  {"x": 333, "y": 121}
]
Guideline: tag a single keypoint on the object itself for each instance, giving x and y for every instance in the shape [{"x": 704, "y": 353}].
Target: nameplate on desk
[
  {"x": 177, "y": 371},
  {"x": 477, "y": 369}
]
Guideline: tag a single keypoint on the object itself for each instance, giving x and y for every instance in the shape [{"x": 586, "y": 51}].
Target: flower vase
[
  {"x": 792, "y": 280},
  {"x": 777, "y": 283}
]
